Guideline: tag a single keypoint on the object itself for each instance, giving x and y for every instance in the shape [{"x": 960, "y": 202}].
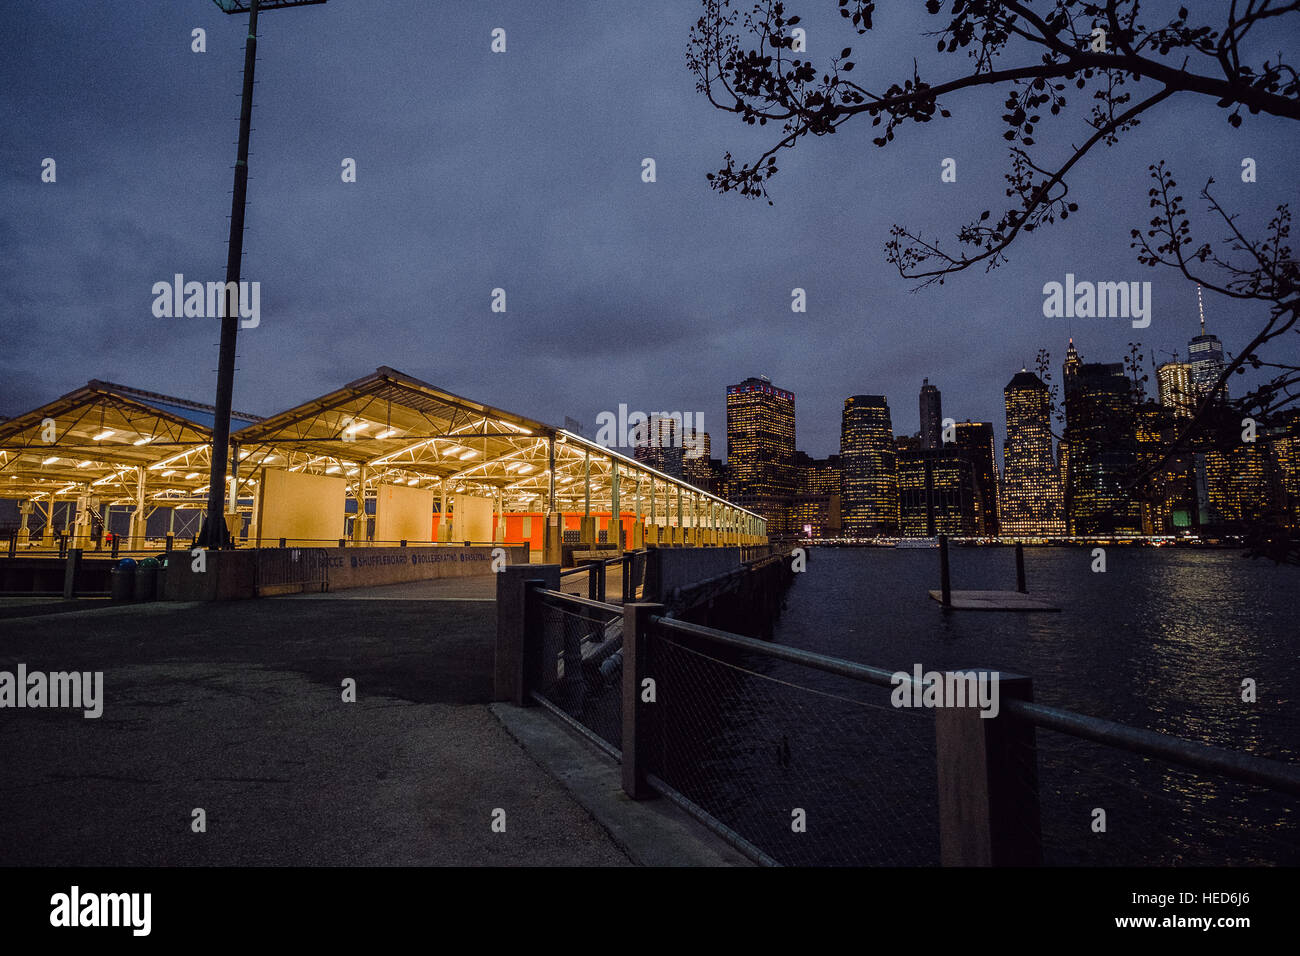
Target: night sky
[{"x": 523, "y": 171}]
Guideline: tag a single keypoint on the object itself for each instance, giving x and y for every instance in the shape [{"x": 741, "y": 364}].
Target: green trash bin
[
  {"x": 122, "y": 580},
  {"x": 146, "y": 580}
]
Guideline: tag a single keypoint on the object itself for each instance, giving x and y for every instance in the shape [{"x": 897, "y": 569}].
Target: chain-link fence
[
  {"x": 580, "y": 663},
  {"x": 812, "y": 768},
  {"x": 802, "y": 759},
  {"x": 1104, "y": 806}
]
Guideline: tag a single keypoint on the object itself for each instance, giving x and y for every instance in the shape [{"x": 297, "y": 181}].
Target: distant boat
[{"x": 917, "y": 543}]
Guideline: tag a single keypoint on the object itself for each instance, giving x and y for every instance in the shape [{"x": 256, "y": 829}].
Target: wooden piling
[{"x": 945, "y": 583}]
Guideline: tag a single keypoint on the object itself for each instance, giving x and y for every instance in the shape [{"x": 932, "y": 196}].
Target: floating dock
[{"x": 994, "y": 601}]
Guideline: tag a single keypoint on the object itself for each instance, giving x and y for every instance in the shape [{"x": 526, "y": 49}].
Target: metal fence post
[
  {"x": 518, "y": 631},
  {"x": 71, "y": 565},
  {"x": 945, "y": 583},
  {"x": 1020, "y": 568},
  {"x": 636, "y": 645},
  {"x": 593, "y": 589},
  {"x": 988, "y": 782}
]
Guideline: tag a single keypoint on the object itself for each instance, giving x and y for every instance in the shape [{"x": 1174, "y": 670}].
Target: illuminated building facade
[
  {"x": 870, "y": 467},
  {"x": 975, "y": 442},
  {"x": 937, "y": 493},
  {"x": 696, "y": 447},
  {"x": 931, "y": 416},
  {"x": 761, "y": 449},
  {"x": 1030, "y": 500},
  {"x": 1242, "y": 483},
  {"x": 662, "y": 448},
  {"x": 1101, "y": 435},
  {"x": 1205, "y": 365},
  {"x": 1175, "y": 383}
]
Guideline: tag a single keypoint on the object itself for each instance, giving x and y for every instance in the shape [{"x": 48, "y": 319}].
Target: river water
[{"x": 1162, "y": 639}]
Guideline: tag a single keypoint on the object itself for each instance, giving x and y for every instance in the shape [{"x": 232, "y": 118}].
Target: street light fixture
[{"x": 214, "y": 533}]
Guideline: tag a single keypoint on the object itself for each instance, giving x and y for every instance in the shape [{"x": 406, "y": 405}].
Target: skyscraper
[
  {"x": 975, "y": 443},
  {"x": 937, "y": 493},
  {"x": 869, "y": 465},
  {"x": 1101, "y": 435},
  {"x": 931, "y": 416},
  {"x": 815, "y": 508},
  {"x": 662, "y": 448},
  {"x": 1204, "y": 359},
  {"x": 1030, "y": 502},
  {"x": 1176, "y": 388},
  {"x": 696, "y": 447},
  {"x": 760, "y": 450}
]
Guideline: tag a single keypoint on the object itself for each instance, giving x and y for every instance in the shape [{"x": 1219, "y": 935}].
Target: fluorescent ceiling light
[{"x": 104, "y": 434}]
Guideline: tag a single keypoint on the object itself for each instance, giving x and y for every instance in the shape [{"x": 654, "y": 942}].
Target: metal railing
[
  {"x": 592, "y": 578},
  {"x": 291, "y": 570},
  {"x": 799, "y": 758},
  {"x": 576, "y": 663}
]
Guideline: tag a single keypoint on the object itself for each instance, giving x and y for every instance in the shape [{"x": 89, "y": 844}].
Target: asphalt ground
[{"x": 237, "y": 708}]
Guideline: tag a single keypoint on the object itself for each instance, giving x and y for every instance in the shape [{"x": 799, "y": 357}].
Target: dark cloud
[{"x": 522, "y": 171}]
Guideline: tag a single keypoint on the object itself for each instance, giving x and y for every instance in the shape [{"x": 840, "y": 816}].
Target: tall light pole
[{"x": 215, "y": 534}]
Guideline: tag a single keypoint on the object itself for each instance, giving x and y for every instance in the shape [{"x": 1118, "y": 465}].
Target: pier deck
[{"x": 995, "y": 601}]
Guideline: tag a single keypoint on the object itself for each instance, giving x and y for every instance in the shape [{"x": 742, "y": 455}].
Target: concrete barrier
[
  {"x": 370, "y": 567},
  {"x": 232, "y": 575}
]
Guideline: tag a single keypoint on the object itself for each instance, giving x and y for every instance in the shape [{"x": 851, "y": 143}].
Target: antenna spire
[{"x": 1200, "y": 304}]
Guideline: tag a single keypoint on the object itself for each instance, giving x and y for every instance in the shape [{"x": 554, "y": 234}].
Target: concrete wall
[
  {"x": 681, "y": 567},
  {"x": 231, "y": 575},
  {"x": 304, "y": 509},
  {"x": 368, "y": 567},
  {"x": 402, "y": 513},
  {"x": 227, "y": 575}
]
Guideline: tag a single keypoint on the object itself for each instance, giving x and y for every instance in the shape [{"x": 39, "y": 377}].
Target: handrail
[
  {"x": 1246, "y": 768},
  {"x": 561, "y": 597}
]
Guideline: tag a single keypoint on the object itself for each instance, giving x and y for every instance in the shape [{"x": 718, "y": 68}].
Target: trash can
[
  {"x": 146, "y": 580},
  {"x": 122, "y": 580}
]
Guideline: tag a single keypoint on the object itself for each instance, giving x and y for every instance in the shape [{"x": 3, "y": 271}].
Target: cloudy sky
[{"x": 522, "y": 171}]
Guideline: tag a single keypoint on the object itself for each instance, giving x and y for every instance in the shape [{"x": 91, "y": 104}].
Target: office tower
[
  {"x": 1286, "y": 451},
  {"x": 662, "y": 448},
  {"x": 937, "y": 493},
  {"x": 1243, "y": 484},
  {"x": 760, "y": 450},
  {"x": 822, "y": 476},
  {"x": 1101, "y": 435},
  {"x": 1164, "y": 487},
  {"x": 1069, "y": 369},
  {"x": 696, "y": 447},
  {"x": 1031, "y": 501},
  {"x": 1176, "y": 388},
  {"x": 931, "y": 416},
  {"x": 815, "y": 508},
  {"x": 869, "y": 464},
  {"x": 975, "y": 442},
  {"x": 1205, "y": 360}
]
